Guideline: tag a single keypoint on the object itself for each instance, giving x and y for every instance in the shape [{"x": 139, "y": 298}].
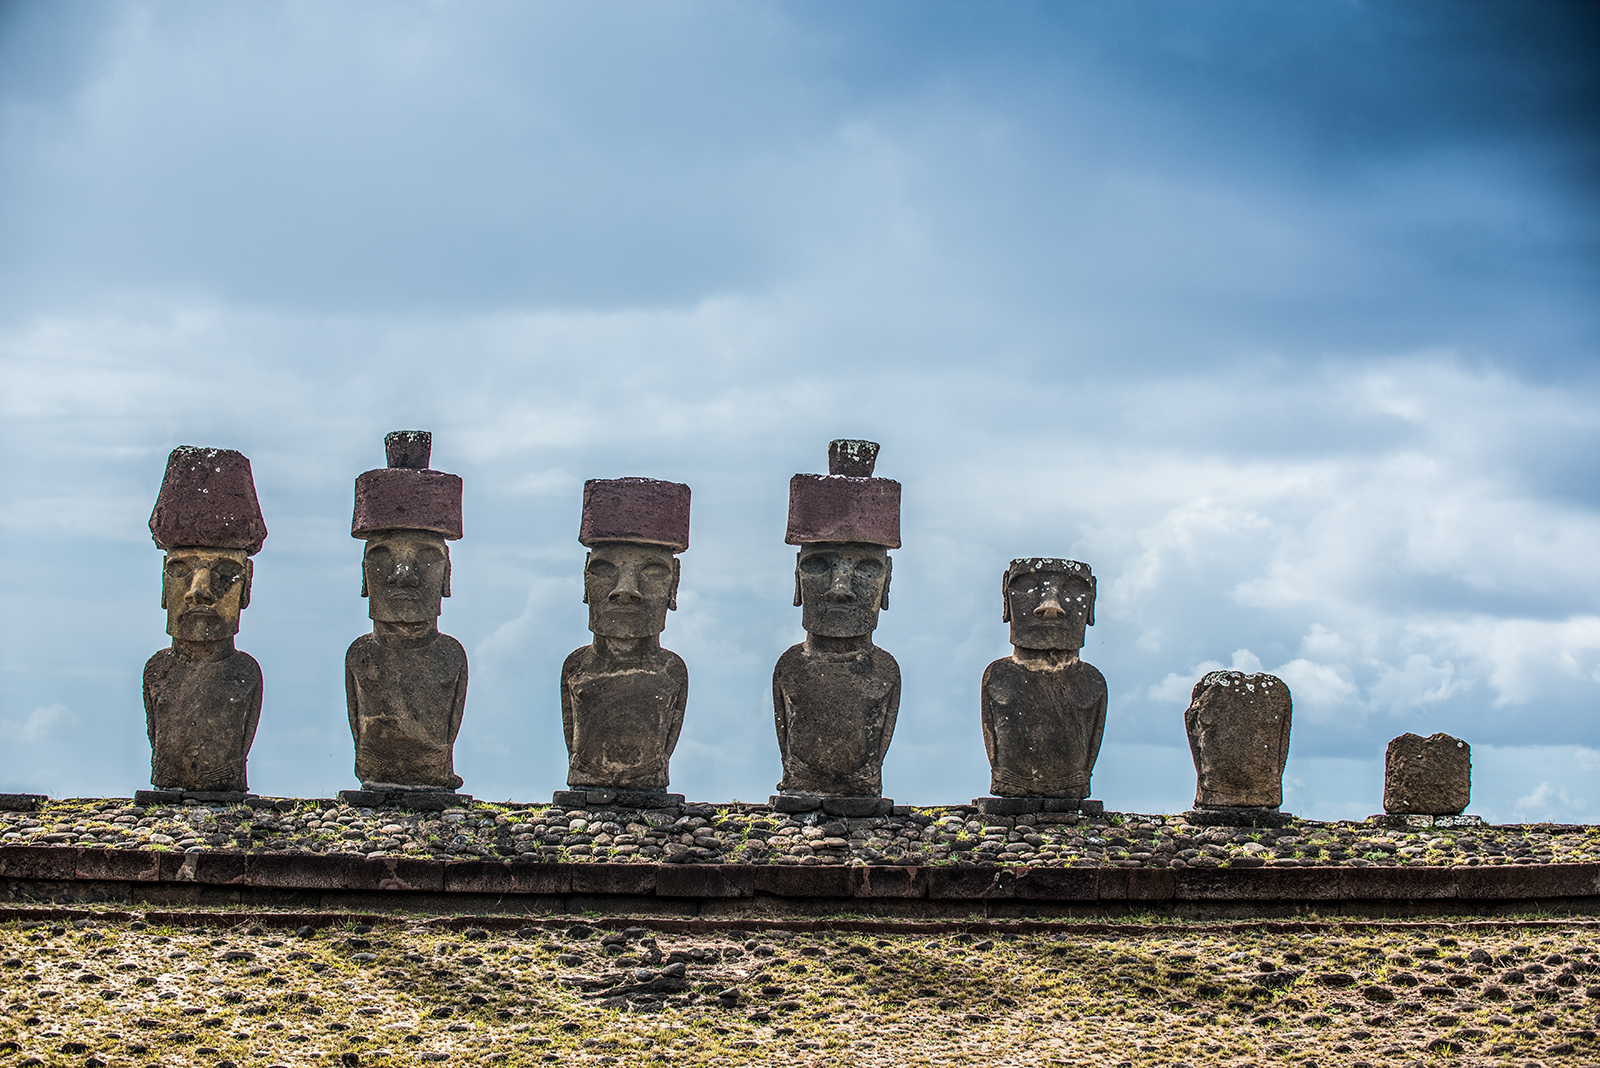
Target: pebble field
[{"x": 399, "y": 990}]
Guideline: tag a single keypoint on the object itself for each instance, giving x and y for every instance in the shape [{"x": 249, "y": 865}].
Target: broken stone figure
[
  {"x": 406, "y": 683},
  {"x": 1043, "y": 709},
  {"x": 623, "y": 695},
  {"x": 202, "y": 697},
  {"x": 1429, "y": 776},
  {"x": 1238, "y": 728},
  {"x": 835, "y": 696}
]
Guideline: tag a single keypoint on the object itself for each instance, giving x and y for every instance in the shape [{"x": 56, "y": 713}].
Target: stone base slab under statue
[
  {"x": 1238, "y": 816},
  {"x": 847, "y": 805},
  {"x": 375, "y": 795},
  {"x": 586, "y": 796},
  {"x": 1022, "y": 806}
]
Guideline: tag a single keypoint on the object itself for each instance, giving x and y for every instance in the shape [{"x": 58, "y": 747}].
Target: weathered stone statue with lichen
[
  {"x": 1429, "y": 776},
  {"x": 1043, "y": 709},
  {"x": 836, "y": 695},
  {"x": 405, "y": 683},
  {"x": 623, "y": 695},
  {"x": 202, "y": 696},
  {"x": 1238, "y": 729}
]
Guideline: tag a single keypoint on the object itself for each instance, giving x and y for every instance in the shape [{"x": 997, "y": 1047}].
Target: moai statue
[
  {"x": 405, "y": 683},
  {"x": 1043, "y": 709},
  {"x": 202, "y": 697},
  {"x": 622, "y": 695},
  {"x": 1238, "y": 728},
  {"x": 835, "y": 696},
  {"x": 1427, "y": 780}
]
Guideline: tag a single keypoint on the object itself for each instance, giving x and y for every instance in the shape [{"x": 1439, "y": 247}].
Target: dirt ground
[{"x": 404, "y": 990}]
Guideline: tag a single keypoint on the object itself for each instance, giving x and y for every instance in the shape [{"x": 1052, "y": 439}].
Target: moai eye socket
[{"x": 817, "y": 563}]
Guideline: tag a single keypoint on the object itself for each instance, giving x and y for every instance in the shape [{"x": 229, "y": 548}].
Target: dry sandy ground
[{"x": 409, "y": 991}]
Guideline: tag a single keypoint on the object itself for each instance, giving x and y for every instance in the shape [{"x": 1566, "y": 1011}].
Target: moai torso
[
  {"x": 835, "y": 717},
  {"x": 1042, "y": 727},
  {"x": 622, "y": 717},
  {"x": 201, "y": 716},
  {"x": 406, "y": 698},
  {"x": 623, "y": 695},
  {"x": 1043, "y": 709},
  {"x": 1238, "y": 729}
]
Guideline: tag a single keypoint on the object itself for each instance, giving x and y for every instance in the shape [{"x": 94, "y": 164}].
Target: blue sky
[{"x": 1282, "y": 317}]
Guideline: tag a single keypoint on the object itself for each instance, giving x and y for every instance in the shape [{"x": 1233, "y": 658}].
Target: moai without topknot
[
  {"x": 1427, "y": 782},
  {"x": 623, "y": 695},
  {"x": 406, "y": 683},
  {"x": 1043, "y": 709},
  {"x": 836, "y": 695},
  {"x": 202, "y": 696},
  {"x": 1238, "y": 729}
]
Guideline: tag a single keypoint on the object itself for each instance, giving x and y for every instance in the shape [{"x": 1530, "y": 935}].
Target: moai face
[
  {"x": 840, "y": 586},
  {"x": 204, "y": 591},
  {"x": 1048, "y": 608},
  {"x": 404, "y": 575},
  {"x": 629, "y": 588}
]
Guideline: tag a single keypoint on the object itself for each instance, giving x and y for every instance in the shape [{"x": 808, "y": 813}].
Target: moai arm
[
  {"x": 680, "y": 675},
  {"x": 1099, "y": 727},
  {"x": 568, "y": 669},
  {"x": 254, "y": 716},
  {"x": 458, "y": 703},
  {"x": 780, "y": 712},
  {"x": 352, "y": 700},
  {"x": 891, "y": 712},
  {"x": 986, "y": 714},
  {"x": 150, "y": 703}
]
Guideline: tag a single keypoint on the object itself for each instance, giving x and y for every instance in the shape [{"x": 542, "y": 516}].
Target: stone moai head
[
  {"x": 405, "y": 512},
  {"x": 1048, "y": 602},
  {"x": 208, "y": 520},
  {"x": 845, "y": 523},
  {"x": 633, "y": 529}
]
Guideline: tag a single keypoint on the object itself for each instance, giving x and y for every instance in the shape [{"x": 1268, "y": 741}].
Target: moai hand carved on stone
[
  {"x": 1238, "y": 729},
  {"x": 202, "y": 697},
  {"x": 1043, "y": 709},
  {"x": 406, "y": 683},
  {"x": 836, "y": 695},
  {"x": 623, "y": 695}
]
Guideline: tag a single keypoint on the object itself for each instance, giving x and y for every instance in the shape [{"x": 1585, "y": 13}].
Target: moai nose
[
  {"x": 1050, "y": 609},
  {"x": 840, "y": 592},
  {"x": 199, "y": 591},
  {"x": 405, "y": 575},
  {"x": 627, "y": 591}
]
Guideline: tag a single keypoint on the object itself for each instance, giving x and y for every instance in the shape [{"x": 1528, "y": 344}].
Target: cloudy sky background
[{"x": 1282, "y": 317}]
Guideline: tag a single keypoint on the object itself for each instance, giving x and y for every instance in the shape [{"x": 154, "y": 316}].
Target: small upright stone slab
[
  {"x": 21, "y": 802},
  {"x": 1238, "y": 728},
  {"x": 1429, "y": 776}
]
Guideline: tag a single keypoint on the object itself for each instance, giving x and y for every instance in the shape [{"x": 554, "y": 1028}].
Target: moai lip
[
  {"x": 623, "y": 696},
  {"x": 405, "y": 682},
  {"x": 1429, "y": 776},
  {"x": 836, "y": 696},
  {"x": 202, "y": 696},
  {"x": 1043, "y": 709},
  {"x": 1238, "y": 728}
]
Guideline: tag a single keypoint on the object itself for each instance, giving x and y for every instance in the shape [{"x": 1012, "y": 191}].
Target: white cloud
[{"x": 40, "y": 725}]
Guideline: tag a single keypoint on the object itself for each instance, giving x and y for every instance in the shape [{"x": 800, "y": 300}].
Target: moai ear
[
  {"x": 365, "y": 549},
  {"x": 447, "y": 571},
  {"x": 797, "y": 580},
  {"x": 163, "y": 585},
  {"x": 249, "y": 574},
  {"x": 1094, "y": 592},
  {"x": 888, "y": 573},
  {"x": 1005, "y": 596},
  {"x": 672, "y": 594},
  {"x": 586, "y": 558}
]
